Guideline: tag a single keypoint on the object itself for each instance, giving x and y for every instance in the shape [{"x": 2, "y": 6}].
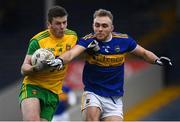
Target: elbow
[{"x": 23, "y": 73}]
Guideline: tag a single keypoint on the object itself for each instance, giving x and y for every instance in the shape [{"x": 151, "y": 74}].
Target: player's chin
[
  {"x": 60, "y": 33},
  {"x": 101, "y": 38}
]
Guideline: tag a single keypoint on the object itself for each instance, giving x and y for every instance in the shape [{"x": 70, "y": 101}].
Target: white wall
[
  {"x": 9, "y": 106},
  {"x": 142, "y": 85}
]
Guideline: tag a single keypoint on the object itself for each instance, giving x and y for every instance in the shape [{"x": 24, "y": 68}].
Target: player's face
[
  {"x": 102, "y": 27},
  {"x": 58, "y": 26}
]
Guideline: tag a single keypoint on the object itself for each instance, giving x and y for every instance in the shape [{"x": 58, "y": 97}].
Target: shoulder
[
  {"x": 88, "y": 36},
  {"x": 34, "y": 41},
  {"x": 86, "y": 40},
  {"x": 41, "y": 35},
  {"x": 119, "y": 35},
  {"x": 123, "y": 38},
  {"x": 70, "y": 32}
]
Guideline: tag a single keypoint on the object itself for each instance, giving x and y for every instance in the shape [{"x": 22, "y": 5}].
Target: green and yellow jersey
[{"x": 51, "y": 80}]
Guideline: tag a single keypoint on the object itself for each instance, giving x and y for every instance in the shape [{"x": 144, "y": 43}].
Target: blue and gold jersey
[{"x": 104, "y": 68}]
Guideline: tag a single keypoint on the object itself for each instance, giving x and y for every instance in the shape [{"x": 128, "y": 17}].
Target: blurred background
[{"x": 151, "y": 92}]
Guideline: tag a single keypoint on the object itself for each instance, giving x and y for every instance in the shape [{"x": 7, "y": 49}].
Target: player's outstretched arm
[
  {"x": 72, "y": 53},
  {"x": 150, "y": 57},
  {"x": 66, "y": 57}
]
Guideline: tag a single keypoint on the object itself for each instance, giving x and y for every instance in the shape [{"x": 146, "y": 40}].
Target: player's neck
[
  {"x": 54, "y": 36},
  {"x": 108, "y": 38}
]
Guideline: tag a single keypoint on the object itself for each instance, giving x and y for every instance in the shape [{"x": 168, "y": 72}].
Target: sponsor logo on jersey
[{"x": 106, "y": 60}]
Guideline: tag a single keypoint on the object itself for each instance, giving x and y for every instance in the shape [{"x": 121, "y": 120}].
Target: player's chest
[
  {"x": 57, "y": 46},
  {"x": 110, "y": 48}
]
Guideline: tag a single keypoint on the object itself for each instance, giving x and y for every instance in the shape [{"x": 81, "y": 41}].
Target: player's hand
[
  {"x": 58, "y": 63},
  {"x": 93, "y": 45},
  {"x": 42, "y": 65},
  {"x": 163, "y": 61}
]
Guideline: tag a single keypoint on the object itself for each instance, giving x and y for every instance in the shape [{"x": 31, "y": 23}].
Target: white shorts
[{"x": 109, "y": 106}]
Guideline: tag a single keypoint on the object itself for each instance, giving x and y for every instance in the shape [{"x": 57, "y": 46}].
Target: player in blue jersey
[{"x": 103, "y": 74}]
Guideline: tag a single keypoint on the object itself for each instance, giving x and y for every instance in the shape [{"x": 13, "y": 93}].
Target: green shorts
[{"x": 48, "y": 99}]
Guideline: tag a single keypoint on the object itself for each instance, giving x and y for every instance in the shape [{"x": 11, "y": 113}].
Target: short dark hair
[
  {"x": 102, "y": 13},
  {"x": 56, "y": 11}
]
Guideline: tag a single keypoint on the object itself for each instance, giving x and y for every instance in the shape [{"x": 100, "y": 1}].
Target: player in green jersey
[{"x": 40, "y": 89}]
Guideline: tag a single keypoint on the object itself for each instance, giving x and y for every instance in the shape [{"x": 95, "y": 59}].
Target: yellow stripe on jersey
[
  {"x": 89, "y": 36},
  {"x": 116, "y": 35},
  {"x": 119, "y": 35},
  {"x": 106, "y": 60}
]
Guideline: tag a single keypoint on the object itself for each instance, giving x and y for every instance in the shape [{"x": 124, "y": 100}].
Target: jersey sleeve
[
  {"x": 131, "y": 44},
  {"x": 33, "y": 46},
  {"x": 83, "y": 42},
  {"x": 74, "y": 41}
]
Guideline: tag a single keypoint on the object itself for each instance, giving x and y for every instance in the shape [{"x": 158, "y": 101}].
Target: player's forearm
[
  {"x": 27, "y": 69},
  {"x": 71, "y": 54},
  {"x": 67, "y": 57},
  {"x": 150, "y": 57},
  {"x": 147, "y": 55}
]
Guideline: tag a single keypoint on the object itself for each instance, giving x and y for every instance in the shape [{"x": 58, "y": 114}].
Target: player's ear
[
  {"x": 93, "y": 25},
  {"x": 112, "y": 27},
  {"x": 48, "y": 25}
]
